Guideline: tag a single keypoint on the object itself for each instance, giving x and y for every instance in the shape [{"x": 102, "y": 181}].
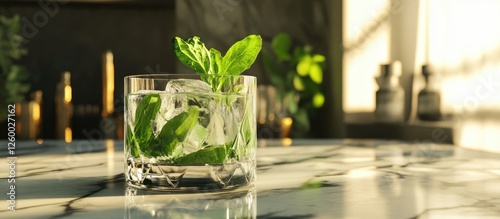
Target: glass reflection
[{"x": 234, "y": 204}]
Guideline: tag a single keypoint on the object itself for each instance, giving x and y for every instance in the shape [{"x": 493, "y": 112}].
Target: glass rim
[{"x": 172, "y": 75}]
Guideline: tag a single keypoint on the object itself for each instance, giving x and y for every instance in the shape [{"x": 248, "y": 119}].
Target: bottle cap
[
  {"x": 426, "y": 70},
  {"x": 385, "y": 70}
]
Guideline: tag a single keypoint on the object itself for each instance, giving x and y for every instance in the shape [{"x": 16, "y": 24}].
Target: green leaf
[
  {"x": 316, "y": 73},
  {"x": 318, "y": 100},
  {"x": 188, "y": 123},
  {"x": 297, "y": 83},
  {"x": 277, "y": 77},
  {"x": 241, "y": 55},
  {"x": 131, "y": 142},
  {"x": 311, "y": 184},
  {"x": 144, "y": 115},
  {"x": 304, "y": 65},
  {"x": 298, "y": 52},
  {"x": 292, "y": 105},
  {"x": 210, "y": 63},
  {"x": 175, "y": 130},
  {"x": 211, "y": 155},
  {"x": 281, "y": 45},
  {"x": 318, "y": 58},
  {"x": 216, "y": 60},
  {"x": 301, "y": 121},
  {"x": 193, "y": 54}
]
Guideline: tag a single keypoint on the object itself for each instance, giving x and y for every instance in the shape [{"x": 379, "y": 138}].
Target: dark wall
[
  {"x": 220, "y": 23},
  {"x": 74, "y": 38}
]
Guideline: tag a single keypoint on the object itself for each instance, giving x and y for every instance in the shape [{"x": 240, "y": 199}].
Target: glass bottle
[
  {"x": 429, "y": 99},
  {"x": 390, "y": 95}
]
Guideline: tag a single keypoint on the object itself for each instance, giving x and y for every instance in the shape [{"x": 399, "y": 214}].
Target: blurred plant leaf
[
  {"x": 316, "y": 73},
  {"x": 301, "y": 119},
  {"x": 277, "y": 77},
  {"x": 292, "y": 104},
  {"x": 281, "y": 45},
  {"x": 297, "y": 83},
  {"x": 304, "y": 66},
  {"x": 298, "y": 52},
  {"x": 13, "y": 87},
  {"x": 297, "y": 77},
  {"x": 318, "y": 58},
  {"x": 318, "y": 100}
]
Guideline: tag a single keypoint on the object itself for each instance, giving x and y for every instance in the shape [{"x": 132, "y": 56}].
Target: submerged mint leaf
[
  {"x": 175, "y": 130},
  {"x": 188, "y": 123},
  {"x": 144, "y": 115},
  {"x": 241, "y": 55},
  {"x": 212, "y": 155},
  {"x": 132, "y": 142}
]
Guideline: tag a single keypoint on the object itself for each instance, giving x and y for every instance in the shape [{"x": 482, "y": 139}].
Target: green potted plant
[
  {"x": 297, "y": 74},
  {"x": 13, "y": 87}
]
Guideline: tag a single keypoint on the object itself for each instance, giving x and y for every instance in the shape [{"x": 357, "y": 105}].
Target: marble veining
[{"x": 309, "y": 179}]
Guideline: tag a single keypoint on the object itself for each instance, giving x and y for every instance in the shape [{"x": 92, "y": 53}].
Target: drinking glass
[{"x": 190, "y": 133}]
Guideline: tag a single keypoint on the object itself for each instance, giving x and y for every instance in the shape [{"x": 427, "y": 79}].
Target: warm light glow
[
  {"x": 362, "y": 172},
  {"x": 36, "y": 112},
  {"x": 68, "y": 135},
  {"x": 39, "y": 141},
  {"x": 465, "y": 50},
  {"x": 18, "y": 109},
  {"x": 262, "y": 121},
  {"x": 67, "y": 94},
  {"x": 361, "y": 63},
  {"x": 108, "y": 84},
  {"x": 286, "y": 126},
  {"x": 286, "y": 142},
  {"x": 480, "y": 134}
]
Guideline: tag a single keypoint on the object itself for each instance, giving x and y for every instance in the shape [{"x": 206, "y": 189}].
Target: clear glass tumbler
[{"x": 190, "y": 133}]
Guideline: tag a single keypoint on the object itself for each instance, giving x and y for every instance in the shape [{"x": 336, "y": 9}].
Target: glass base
[
  {"x": 189, "y": 179},
  {"x": 238, "y": 203}
]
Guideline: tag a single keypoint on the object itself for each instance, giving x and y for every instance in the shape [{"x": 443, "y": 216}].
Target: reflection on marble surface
[
  {"x": 235, "y": 204},
  {"x": 309, "y": 179}
]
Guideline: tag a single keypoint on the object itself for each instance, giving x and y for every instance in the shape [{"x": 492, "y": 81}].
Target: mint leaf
[
  {"x": 175, "y": 130},
  {"x": 212, "y": 155},
  {"x": 216, "y": 59},
  {"x": 188, "y": 123},
  {"x": 210, "y": 63},
  {"x": 193, "y": 54},
  {"x": 241, "y": 55},
  {"x": 131, "y": 142},
  {"x": 144, "y": 115}
]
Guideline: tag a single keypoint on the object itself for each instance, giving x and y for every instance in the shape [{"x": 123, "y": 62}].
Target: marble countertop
[{"x": 309, "y": 179}]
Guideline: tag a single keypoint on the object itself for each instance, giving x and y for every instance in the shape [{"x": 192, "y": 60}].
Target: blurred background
[{"x": 414, "y": 70}]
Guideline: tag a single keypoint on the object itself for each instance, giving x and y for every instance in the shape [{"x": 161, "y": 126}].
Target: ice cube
[
  {"x": 187, "y": 86},
  {"x": 215, "y": 129},
  {"x": 171, "y": 105},
  {"x": 176, "y": 100},
  {"x": 133, "y": 100},
  {"x": 194, "y": 140},
  {"x": 233, "y": 118}
]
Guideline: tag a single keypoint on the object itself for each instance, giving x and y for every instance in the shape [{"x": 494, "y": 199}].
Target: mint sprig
[
  {"x": 210, "y": 63},
  {"x": 212, "y": 67}
]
